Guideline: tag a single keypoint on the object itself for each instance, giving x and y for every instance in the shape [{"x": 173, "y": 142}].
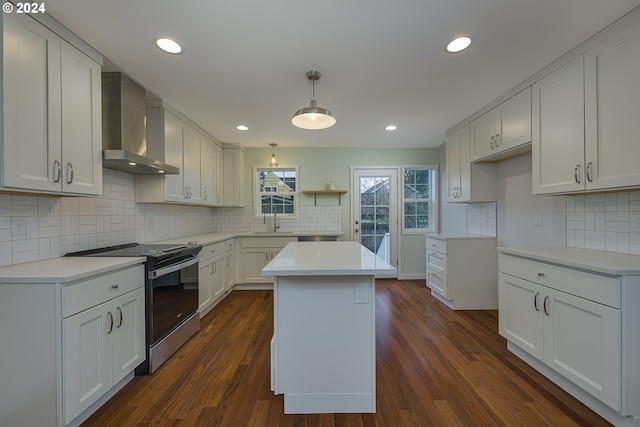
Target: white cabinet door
[
  {"x": 484, "y": 132},
  {"x": 453, "y": 163},
  {"x": 612, "y": 102},
  {"x": 87, "y": 358},
  {"x": 519, "y": 316},
  {"x": 582, "y": 342},
  {"x": 208, "y": 165},
  {"x": 173, "y": 140},
  {"x": 558, "y": 130},
  {"x": 233, "y": 176},
  {"x": 217, "y": 279},
  {"x": 192, "y": 167},
  {"x": 229, "y": 270},
  {"x": 129, "y": 333},
  {"x": 515, "y": 121},
  {"x": 205, "y": 272},
  {"x": 81, "y": 122},
  {"x": 218, "y": 175},
  {"x": 31, "y": 146},
  {"x": 253, "y": 261}
]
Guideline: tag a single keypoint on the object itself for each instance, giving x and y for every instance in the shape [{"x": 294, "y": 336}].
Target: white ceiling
[{"x": 381, "y": 61}]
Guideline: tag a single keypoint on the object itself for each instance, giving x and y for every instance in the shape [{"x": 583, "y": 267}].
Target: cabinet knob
[
  {"x": 115, "y": 286},
  {"x": 540, "y": 274}
]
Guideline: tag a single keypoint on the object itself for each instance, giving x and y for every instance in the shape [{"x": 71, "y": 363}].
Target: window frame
[
  {"x": 432, "y": 200},
  {"x": 257, "y": 199}
]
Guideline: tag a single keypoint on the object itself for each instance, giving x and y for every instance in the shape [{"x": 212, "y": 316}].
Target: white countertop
[
  {"x": 210, "y": 238},
  {"x": 64, "y": 269},
  {"x": 584, "y": 259},
  {"x": 440, "y": 236},
  {"x": 326, "y": 259}
]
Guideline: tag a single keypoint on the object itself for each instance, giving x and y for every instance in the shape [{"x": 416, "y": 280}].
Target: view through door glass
[{"x": 374, "y": 210}]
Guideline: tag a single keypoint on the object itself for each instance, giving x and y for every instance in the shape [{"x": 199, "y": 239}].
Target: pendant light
[
  {"x": 274, "y": 162},
  {"x": 313, "y": 117}
]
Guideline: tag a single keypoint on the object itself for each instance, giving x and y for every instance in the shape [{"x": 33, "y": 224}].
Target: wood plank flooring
[{"x": 435, "y": 367}]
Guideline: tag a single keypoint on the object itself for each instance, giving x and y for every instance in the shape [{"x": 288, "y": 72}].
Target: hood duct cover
[{"x": 124, "y": 130}]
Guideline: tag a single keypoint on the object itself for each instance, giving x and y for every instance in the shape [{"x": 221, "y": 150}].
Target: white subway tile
[
  {"x": 599, "y": 221},
  {"x": 611, "y": 241},
  {"x": 622, "y": 243},
  {"x": 5, "y": 206},
  {"x": 617, "y": 216},
  {"x": 611, "y": 202}
]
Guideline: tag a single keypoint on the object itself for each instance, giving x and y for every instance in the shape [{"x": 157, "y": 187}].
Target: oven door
[{"x": 174, "y": 295}]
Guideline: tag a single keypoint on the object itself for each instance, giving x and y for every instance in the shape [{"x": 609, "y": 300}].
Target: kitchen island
[{"x": 323, "y": 347}]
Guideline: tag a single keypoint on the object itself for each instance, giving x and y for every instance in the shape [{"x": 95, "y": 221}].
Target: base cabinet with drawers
[
  {"x": 215, "y": 273},
  {"x": 68, "y": 347},
  {"x": 461, "y": 271},
  {"x": 576, "y": 323}
]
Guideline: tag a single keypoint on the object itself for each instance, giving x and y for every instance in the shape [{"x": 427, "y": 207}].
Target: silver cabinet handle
[
  {"x": 546, "y": 305},
  {"x": 589, "y": 171},
  {"x": 218, "y": 197},
  {"x": 497, "y": 140},
  {"x": 491, "y": 142},
  {"x": 576, "y": 173},
  {"x": 58, "y": 170},
  {"x": 536, "y": 299},
  {"x": 121, "y": 317},
  {"x": 204, "y": 193},
  {"x": 69, "y": 173},
  {"x": 186, "y": 192},
  {"x": 110, "y": 322}
]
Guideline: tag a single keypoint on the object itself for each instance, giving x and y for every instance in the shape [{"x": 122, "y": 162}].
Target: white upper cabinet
[
  {"x": 503, "y": 130},
  {"x": 612, "y": 103},
  {"x": 185, "y": 145},
  {"x": 586, "y": 132},
  {"x": 558, "y": 130},
  {"x": 234, "y": 178},
  {"x": 466, "y": 181},
  {"x": 52, "y": 138}
]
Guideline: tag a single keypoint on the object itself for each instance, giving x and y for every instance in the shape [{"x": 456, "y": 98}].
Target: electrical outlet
[
  {"x": 18, "y": 226},
  {"x": 362, "y": 293}
]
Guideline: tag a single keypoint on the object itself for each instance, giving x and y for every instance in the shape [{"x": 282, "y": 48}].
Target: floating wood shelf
[{"x": 316, "y": 192}]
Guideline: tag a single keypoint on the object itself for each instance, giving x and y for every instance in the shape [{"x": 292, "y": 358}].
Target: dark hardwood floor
[{"x": 435, "y": 367}]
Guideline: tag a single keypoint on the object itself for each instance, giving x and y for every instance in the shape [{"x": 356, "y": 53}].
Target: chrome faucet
[{"x": 275, "y": 224}]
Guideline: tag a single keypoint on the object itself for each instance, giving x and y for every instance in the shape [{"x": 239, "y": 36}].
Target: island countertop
[{"x": 326, "y": 259}]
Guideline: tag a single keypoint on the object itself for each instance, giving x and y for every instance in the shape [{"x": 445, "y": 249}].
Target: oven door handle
[{"x": 154, "y": 274}]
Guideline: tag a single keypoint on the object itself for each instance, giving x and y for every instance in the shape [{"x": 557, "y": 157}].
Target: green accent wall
[{"x": 318, "y": 166}]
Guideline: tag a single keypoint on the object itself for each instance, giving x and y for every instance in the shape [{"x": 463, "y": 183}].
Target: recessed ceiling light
[
  {"x": 242, "y": 127},
  {"x": 459, "y": 44},
  {"x": 169, "y": 45},
  {"x": 391, "y": 127}
]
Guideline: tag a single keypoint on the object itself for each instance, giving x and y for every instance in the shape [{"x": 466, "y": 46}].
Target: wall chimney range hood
[{"x": 124, "y": 129}]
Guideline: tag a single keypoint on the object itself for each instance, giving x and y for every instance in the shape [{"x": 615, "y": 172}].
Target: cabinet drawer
[
  {"x": 594, "y": 287},
  {"x": 436, "y": 245},
  {"x": 267, "y": 242},
  {"x": 212, "y": 250},
  {"x": 229, "y": 244},
  {"x": 437, "y": 282},
  {"x": 437, "y": 261},
  {"x": 89, "y": 293}
]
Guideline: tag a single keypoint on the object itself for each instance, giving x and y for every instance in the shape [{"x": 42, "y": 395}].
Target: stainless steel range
[{"x": 171, "y": 299}]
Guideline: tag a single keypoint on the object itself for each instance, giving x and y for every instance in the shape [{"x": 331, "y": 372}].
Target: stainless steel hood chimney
[{"x": 124, "y": 129}]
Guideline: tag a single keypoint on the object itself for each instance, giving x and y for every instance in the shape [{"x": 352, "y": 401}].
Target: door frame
[{"x": 394, "y": 211}]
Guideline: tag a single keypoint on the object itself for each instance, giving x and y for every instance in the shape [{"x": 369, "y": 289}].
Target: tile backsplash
[
  {"x": 605, "y": 221},
  {"x": 481, "y": 218},
  {"x": 40, "y": 227}
]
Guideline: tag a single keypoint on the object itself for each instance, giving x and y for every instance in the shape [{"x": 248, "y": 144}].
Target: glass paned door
[{"x": 374, "y": 208}]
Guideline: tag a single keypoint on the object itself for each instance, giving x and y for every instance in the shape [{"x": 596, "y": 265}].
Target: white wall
[{"x": 518, "y": 209}]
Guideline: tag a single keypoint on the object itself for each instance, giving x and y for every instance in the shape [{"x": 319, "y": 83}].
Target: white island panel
[{"x": 323, "y": 351}]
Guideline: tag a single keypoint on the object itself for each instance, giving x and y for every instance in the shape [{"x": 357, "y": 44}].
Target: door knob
[
  {"x": 357, "y": 222},
  {"x": 356, "y": 230}
]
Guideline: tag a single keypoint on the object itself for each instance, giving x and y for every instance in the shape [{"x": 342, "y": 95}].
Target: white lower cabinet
[
  {"x": 229, "y": 264},
  {"x": 461, "y": 271},
  {"x": 256, "y": 252},
  {"x": 568, "y": 319},
  {"x": 101, "y": 346},
  {"x": 67, "y": 347},
  {"x": 211, "y": 276}
]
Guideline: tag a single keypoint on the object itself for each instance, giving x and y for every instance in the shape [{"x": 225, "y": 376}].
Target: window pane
[
  {"x": 409, "y": 192},
  {"x": 382, "y": 191},
  {"x": 422, "y": 176},
  {"x": 382, "y": 217},
  {"x": 423, "y": 221},
  {"x": 409, "y": 221},
  {"x": 409, "y": 176},
  {"x": 422, "y": 208},
  {"x": 410, "y": 208},
  {"x": 422, "y": 191}
]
